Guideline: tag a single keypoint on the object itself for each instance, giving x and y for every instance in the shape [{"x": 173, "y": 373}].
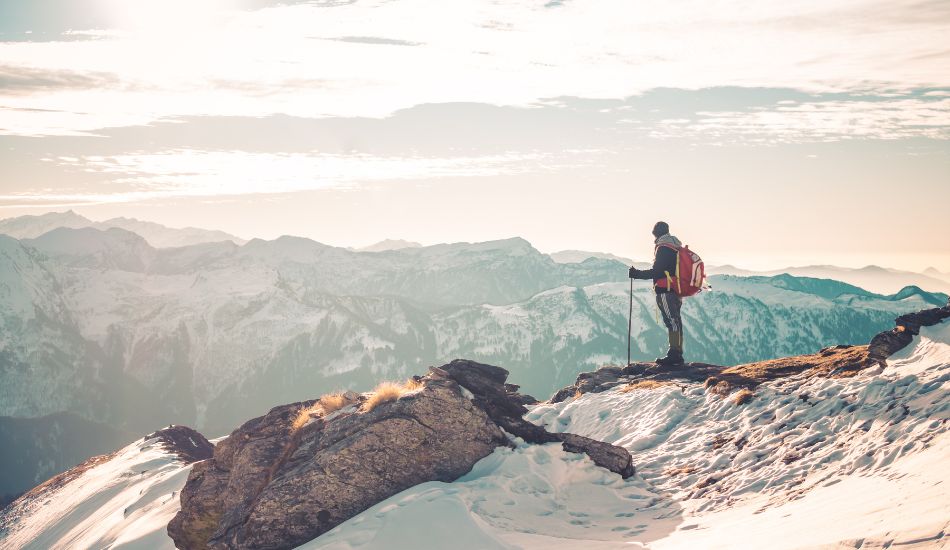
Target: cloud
[
  {"x": 815, "y": 121},
  {"x": 17, "y": 80},
  {"x": 187, "y": 61},
  {"x": 197, "y": 173},
  {"x": 373, "y": 40}
]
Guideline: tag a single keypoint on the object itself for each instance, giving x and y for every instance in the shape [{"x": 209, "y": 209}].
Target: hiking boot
[{"x": 672, "y": 359}]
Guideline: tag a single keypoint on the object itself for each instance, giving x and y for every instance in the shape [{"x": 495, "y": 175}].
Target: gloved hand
[{"x": 634, "y": 272}]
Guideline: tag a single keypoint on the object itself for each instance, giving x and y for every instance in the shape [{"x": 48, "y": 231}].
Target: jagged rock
[
  {"x": 614, "y": 458},
  {"x": 890, "y": 342},
  {"x": 885, "y": 344},
  {"x": 287, "y": 477},
  {"x": 504, "y": 407},
  {"x": 188, "y": 444},
  {"x": 924, "y": 318}
]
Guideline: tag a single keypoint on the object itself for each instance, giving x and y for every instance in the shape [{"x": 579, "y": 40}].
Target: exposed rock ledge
[
  {"x": 189, "y": 445},
  {"x": 831, "y": 361},
  {"x": 287, "y": 477}
]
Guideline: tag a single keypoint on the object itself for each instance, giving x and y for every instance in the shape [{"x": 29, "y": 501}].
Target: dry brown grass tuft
[
  {"x": 333, "y": 402},
  {"x": 742, "y": 396},
  {"x": 389, "y": 391},
  {"x": 823, "y": 363},
  {"x": 304, "y": 415},
  {"x": 644, "y": 385}
]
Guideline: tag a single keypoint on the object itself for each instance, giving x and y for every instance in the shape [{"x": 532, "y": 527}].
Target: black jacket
[{"x": 663, "y": 261}]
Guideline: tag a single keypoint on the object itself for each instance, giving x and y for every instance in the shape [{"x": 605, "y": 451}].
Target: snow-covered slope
[
  {"x": 855, "y": 462},
  {"x": 815, "y": 462},
  {"x": 45, "y": 366},
  {"x": 36, "y": 449},
  {"x": 123, "y": 500}
]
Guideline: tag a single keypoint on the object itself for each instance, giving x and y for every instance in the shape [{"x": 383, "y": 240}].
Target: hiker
[{"x": 663, "y": 272}]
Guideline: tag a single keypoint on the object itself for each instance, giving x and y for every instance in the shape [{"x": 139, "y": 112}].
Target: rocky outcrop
[
  {"x": 842, "y": 360},
  {"x": 506, "y": 408},
  {"x": 287, "y": 477},
  {"x": 610, "y": 376},
  {"x": 189, "y": 445},
  {"x": 890, "y": 342}
]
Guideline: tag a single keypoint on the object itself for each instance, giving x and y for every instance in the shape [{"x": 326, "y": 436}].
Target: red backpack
[{"x": 690, "y": 272}]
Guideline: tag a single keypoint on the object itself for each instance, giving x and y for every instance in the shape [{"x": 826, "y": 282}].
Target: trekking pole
[{"x": 630, "y": 321}]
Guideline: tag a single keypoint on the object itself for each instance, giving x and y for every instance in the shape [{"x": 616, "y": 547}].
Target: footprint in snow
[{"x": 542, "y": 457}]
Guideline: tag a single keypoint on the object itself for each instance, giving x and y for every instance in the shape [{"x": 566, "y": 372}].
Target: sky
[{"x": 767, "y": 134}]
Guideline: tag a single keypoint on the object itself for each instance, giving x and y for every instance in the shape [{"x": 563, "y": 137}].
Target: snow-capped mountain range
[{"x": 102, "y": 324}]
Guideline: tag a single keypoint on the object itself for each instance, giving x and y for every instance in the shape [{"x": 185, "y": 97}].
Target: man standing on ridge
[{"x": 663, "y": 270}]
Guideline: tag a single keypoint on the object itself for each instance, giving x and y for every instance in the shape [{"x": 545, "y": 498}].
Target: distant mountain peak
[
  {"x": 874, "y": 269},
  {"x": 579, "y": 256},
  {"x": 157, "y": 235},
  {"x": 390, "y": 244}
]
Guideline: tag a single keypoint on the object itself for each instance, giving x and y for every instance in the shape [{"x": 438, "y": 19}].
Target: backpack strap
[{"x": 672, "y": 247}]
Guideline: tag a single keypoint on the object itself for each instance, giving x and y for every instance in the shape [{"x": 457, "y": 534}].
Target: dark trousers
[{"x": 670, "y": 304}]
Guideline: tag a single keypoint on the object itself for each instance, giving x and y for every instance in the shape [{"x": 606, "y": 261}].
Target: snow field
[{"x": 122, "y": 503}]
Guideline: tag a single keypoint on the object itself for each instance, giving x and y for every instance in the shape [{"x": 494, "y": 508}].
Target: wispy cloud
[
  {"x": 373, "y": 40},
  {"x": 186, "y": 59},
  {"x": 814, "y": 121},
  {"x": 196, "y": 173},
  {"x": 20, "y": 80}
]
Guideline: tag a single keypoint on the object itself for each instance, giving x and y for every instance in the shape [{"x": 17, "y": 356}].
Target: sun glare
[{"x": 146, "y": 16}]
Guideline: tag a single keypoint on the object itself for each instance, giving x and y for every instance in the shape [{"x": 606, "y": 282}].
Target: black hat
[{"x": 660, "y": 229}]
